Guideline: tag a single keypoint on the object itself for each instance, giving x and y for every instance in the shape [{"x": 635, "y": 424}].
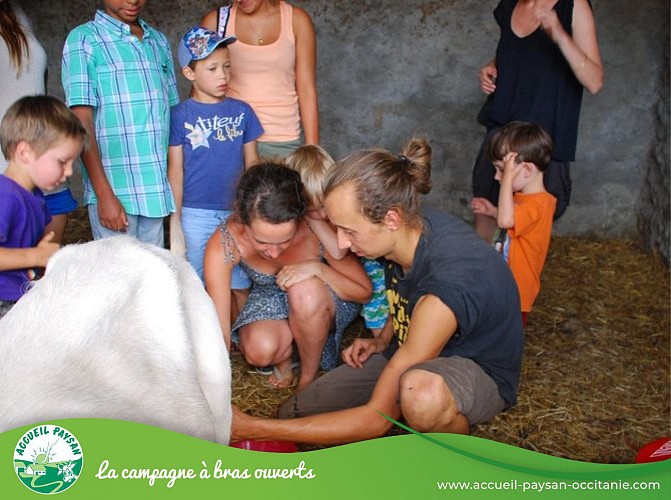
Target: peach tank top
[{"x": 264, "y": 76}]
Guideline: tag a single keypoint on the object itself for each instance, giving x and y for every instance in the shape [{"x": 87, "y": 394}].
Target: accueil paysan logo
[{"x": 48, "y": 459}]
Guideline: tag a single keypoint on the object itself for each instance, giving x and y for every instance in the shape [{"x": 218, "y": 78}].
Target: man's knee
[{"x": 426, "y": 401}]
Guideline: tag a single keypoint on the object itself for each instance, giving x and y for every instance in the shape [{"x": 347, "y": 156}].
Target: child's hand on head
[
  {"x": 511, "y": 167},
  {"x": 509, "y": 159}
]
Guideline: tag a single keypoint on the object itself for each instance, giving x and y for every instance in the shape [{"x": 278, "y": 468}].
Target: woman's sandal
[
  {"x": 261, "y": 370},
  {"x": 283, "y": 379}
]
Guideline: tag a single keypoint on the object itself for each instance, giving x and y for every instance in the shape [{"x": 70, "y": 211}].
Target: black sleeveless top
[
  {"x": 452, "y": 263},
  {"x": 535, "y": 82}
]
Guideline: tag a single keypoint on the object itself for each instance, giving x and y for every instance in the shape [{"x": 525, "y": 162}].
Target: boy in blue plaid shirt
[{"x": 119, "y": 78}]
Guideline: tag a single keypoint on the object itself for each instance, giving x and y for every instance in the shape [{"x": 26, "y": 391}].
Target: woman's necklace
[{"x": 258, "y": 34}]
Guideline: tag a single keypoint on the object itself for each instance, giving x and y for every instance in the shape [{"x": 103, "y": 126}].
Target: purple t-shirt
[
  {"x": 212, "y": 136},
  {"x": 23, "y": 218}
]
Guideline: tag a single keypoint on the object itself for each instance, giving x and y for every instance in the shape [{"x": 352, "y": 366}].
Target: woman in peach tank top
[{"x": 273, "y": 69}]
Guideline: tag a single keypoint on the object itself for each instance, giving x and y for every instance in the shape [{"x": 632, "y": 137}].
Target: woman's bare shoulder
[
  {"x": 210, "y": 20},
  {"x": 301, "y": 20}
]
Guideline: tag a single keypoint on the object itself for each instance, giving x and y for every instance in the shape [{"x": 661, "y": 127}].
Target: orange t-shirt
[
  {"x": 264, "y": 76},
  {"x": 529, "y": 241}
]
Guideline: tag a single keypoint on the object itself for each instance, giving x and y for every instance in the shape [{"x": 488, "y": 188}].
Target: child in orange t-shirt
[{"x": 521, "y": 152}]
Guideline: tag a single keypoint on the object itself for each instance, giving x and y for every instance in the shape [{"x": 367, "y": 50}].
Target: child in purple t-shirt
[{"x": 40, "y": 138}]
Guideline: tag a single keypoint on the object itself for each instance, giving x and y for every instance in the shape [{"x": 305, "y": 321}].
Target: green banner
[{"x": 100, "y": 459}]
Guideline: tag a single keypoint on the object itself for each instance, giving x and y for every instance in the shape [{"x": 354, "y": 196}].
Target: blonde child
[
  {"x": 41, "y": 138},
  {"x": 521, "y": 152},
  {"x": 212, "y": 141},
  {"x": 24, "y": 64},
  {"x": 313, "y": 163}
]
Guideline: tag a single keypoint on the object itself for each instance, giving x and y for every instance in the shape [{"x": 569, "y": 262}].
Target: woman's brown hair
[{"x": 14, "y": 36}]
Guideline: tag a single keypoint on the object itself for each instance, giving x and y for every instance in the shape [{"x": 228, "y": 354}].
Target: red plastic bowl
[
  {"x": 655, "y": 451},
  {"x": 272, "y": 446}
]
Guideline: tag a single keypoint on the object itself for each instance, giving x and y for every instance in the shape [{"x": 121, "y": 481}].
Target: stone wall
[
  {"x": 655, "y": 195},
  {"x": 391, "y": 69}
]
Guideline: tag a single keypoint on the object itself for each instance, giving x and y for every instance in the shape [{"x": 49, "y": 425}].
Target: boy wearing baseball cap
[{"x": 212, "y": 140}]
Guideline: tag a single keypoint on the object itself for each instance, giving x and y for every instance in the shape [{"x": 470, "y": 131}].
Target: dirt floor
[{"x": 595, "y": 380}]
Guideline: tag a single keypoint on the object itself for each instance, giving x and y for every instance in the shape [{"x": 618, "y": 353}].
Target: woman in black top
[{"x": 547, "y": 53}]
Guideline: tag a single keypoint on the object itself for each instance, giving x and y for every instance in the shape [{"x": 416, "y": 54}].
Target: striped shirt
[{"x": 130, "y": 84}]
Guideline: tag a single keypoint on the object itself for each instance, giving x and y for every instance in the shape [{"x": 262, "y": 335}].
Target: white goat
[{"x": 116, "y": 329}]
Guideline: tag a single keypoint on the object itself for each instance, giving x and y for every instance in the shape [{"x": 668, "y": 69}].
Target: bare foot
[{"x": 283, "y": 374}]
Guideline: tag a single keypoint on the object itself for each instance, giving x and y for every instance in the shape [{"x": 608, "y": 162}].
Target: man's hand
[
  {"x": 362, "y": 349},
  {"x": 241, "y": 424}
]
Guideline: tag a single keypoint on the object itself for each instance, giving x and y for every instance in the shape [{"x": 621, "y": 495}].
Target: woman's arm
[
  {"x": 217, "y": 270},
  {"x": 581, "y": 50},
  {"x": 306, "y": 85}
]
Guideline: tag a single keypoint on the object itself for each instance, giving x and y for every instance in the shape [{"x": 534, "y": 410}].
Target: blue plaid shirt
[{"x": 130, "y": 84}]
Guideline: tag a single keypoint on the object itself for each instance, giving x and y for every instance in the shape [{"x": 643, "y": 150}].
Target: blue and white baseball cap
[{"x": 199, "y": 43}]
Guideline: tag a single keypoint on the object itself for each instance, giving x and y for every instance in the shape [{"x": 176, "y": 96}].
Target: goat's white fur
[{"x": 116, "y": 329}]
